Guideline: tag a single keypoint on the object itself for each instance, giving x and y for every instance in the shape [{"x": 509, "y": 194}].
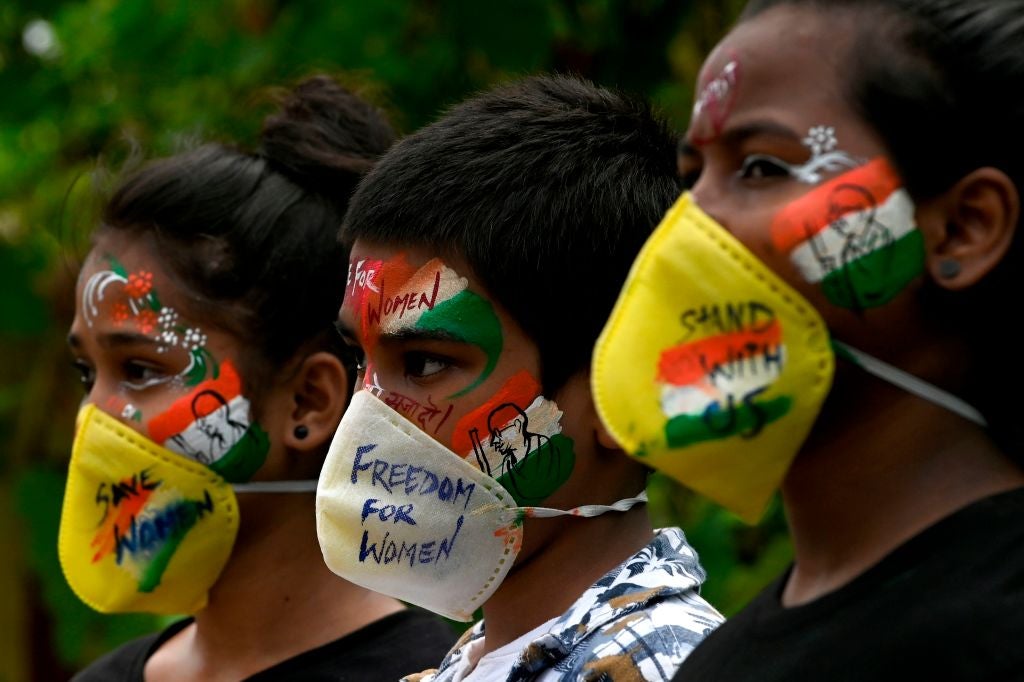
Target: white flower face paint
[{"x": 825, "y": 157}]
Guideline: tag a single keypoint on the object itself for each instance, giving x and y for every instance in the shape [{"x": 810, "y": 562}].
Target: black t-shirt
[
  {"x": 946, "y": 605},
  {"x": 402, "y": 643}
]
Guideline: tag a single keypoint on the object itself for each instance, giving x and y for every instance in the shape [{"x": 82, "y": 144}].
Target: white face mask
[{"x": 400, "y": 514}]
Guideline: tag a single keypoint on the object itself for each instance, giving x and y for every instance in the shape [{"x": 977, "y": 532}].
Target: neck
[
  {"x": 275, "y": 598},
  {"x": 554, "y": 576},
  {"x": 861, "y": 488}
]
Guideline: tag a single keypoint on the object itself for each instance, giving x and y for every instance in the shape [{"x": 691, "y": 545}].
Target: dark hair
[
  {"x": 547, "y": 186},
  {"x": 942, "y": 82},
  {"x": 254, "y": 236}
]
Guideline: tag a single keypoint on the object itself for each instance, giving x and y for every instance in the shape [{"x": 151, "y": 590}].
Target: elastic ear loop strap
[
  {"x": 909, "y": 383},
  {"x": 587, "y": 510},
  {"x": 275, "y": 487}
]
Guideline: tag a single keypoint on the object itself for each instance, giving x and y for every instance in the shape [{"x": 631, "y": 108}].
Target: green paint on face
[
  {"x": 544, "y": 469},
  {"x": 685, "y": 429},
  {"x": 185, "y": 514},
  {"x": 202, "y": 363},
  {"x": 245, "y": 457},
  {"x": 471, "y": 318},
  {"x": 877, "y": 277},
  {"x": 116, "y": 267}
]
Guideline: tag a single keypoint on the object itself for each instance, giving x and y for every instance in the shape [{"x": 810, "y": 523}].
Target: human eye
[
  {"x": 86, "y": 374},
  {"x": 762, "y": 167},
  {"x": 352, "y": 352},
  {"x": 140, "y": 374},
  {"x": 419, "y": 365}
]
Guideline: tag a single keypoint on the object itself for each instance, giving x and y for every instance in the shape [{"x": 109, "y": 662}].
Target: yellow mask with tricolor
[
  {"x": 711, "y": 368},
  {"x": 142, "y": 528}
]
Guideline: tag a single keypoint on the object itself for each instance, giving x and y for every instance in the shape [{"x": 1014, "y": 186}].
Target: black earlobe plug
[
  {"x": 949, "y": 268},
  {"x": 301, "y": 431}
]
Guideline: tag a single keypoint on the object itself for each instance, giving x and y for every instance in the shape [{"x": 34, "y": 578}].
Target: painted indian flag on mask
[
  {"x": 212, "y": 425},
  {"x": 854, "y": 236},
  {"x": 712, "y": 387}
]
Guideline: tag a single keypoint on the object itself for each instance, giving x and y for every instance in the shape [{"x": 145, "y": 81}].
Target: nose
[{"x": 710, "y": 200}]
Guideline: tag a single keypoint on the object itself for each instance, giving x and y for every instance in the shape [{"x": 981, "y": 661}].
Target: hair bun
[{"x": 324, "y": 137}]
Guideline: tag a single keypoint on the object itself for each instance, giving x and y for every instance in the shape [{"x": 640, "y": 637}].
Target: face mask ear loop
[
  {"x": 585, "y": 511},
  {"x": 909, "y": 383},
  {"x": 276, "y": 487}
]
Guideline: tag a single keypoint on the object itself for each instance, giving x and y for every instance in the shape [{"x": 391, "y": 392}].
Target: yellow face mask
[
  {"x": 711, "y": 368},
  {"x": 142, "y": 528}
]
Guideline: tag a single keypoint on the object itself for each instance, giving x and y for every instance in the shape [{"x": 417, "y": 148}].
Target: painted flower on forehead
[
  {"x": 193, "y": 339},
  {"x": 167, "y": 318},
  {"x": 821, "y": 139},
  {"x": 826, "y": 157},
  {"x": 140, "y": 305},
  {"x": 146, "y": 321},
  {"x": 139, "y": 284},
  {"x": 120, "y": 314}
]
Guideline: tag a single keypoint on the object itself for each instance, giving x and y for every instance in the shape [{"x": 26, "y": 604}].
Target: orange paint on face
[
  {"x": 520, "y": 390},
  {"x": 119, "y": 523},
  {"x": 690, "y": 363},
  {"x": 365, "y": 295},
  {"x": 187, "y": 409},
  {"x": 813, "y": 212}
]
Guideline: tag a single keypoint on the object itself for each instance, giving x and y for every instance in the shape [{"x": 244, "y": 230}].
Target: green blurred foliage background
[{"x": 89, "y": 84}]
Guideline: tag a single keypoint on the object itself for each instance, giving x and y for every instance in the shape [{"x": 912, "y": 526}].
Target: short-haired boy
[{"x": 487, "y": 251}]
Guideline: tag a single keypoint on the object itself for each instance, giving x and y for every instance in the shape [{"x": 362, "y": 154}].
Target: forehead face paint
[
  {"x": 131, "y": 301},
  {"x": 390, "y": 298},
  {"x": 715, "y": 102},
  {"x": 212, "y": 423},
  {"x": 854, "y": 236}
]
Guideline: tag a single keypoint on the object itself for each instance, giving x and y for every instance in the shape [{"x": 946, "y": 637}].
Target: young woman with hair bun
[{"x": 214, "y": 382}]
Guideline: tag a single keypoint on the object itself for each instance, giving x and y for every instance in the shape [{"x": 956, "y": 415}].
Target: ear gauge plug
[
  {"x": 949, "y": 268},
  {"x": 301, "y": 431}
]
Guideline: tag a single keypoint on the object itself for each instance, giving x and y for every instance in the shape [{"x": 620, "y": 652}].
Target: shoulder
[
  {"x": 386, "y": 649},
  {"x": 645, "y": 644},
  {"x": 454, "y": 661},
  {"x": 126, "y": 662}
]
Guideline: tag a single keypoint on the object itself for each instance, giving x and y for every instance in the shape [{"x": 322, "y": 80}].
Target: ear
[
  {"x": 320, "y": 394},
  {"x": 970, "y": 228}
]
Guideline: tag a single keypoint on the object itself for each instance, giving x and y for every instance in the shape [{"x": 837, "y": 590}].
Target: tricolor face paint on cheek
[
  {"x": 516, "y": 437},
  {"x": 854, "y": 236},
  {"x": 212, "y": 424}
]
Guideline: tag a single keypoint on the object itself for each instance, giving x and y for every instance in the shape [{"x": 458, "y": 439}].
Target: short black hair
[
  {"x": 253, "y": 236},
  {"x": 547, "y": 187}
]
